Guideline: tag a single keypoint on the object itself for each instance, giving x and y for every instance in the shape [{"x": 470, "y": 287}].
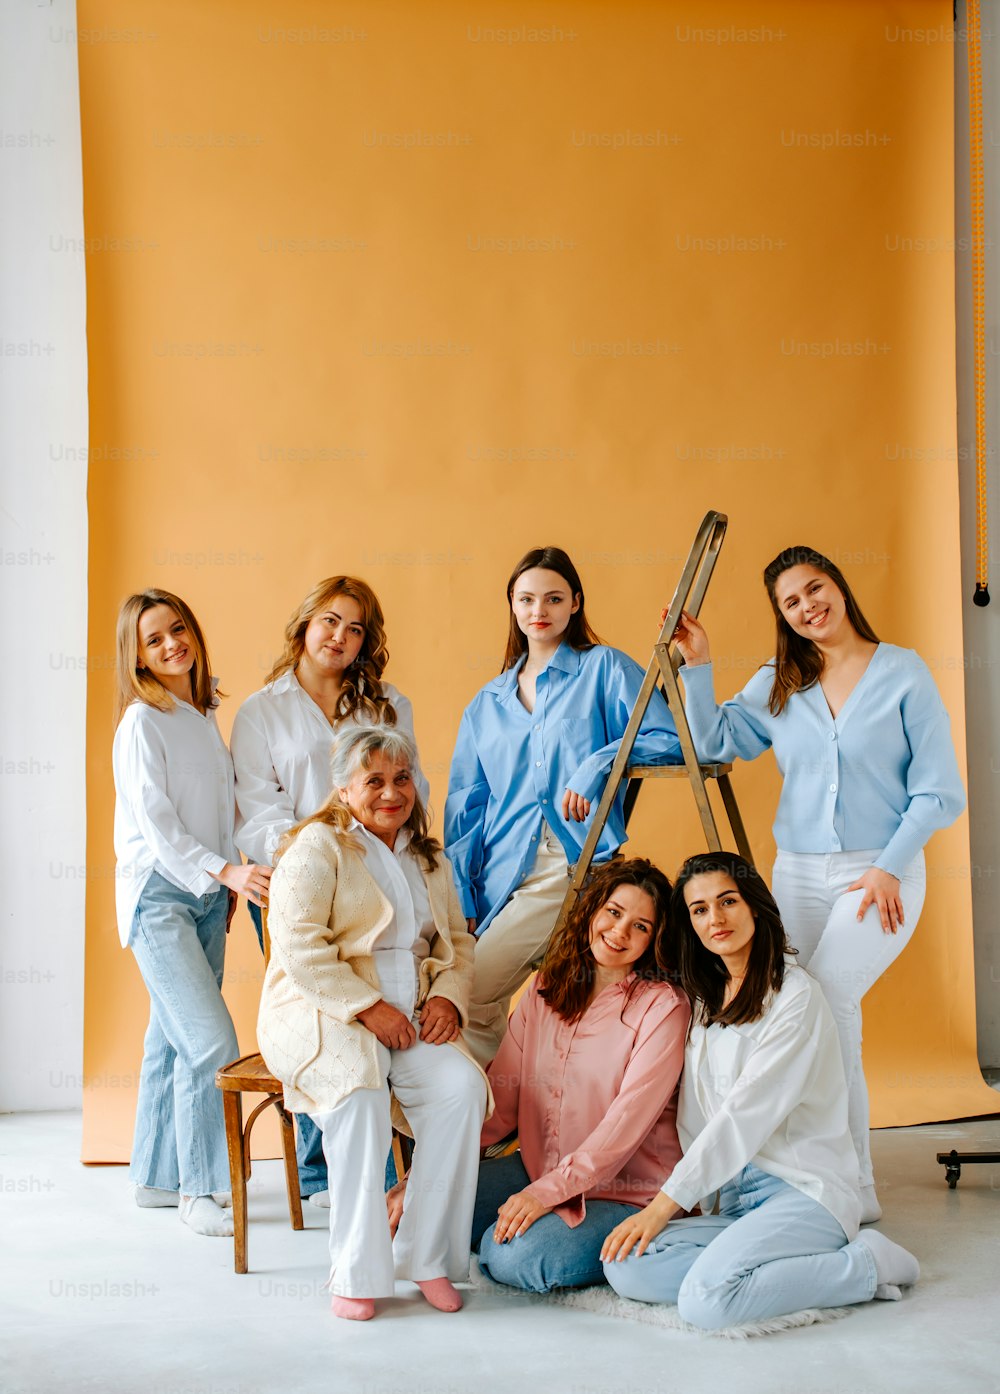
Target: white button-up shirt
[
  {"x": 771, "y": 1092},
  {"x": 281, "y": 749},
  {"x": 174, "y": 806},
  {"x": 405, "y": 942}
]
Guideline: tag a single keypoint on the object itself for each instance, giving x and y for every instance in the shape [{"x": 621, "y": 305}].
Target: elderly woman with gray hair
[{"x": 366, "y": 992}]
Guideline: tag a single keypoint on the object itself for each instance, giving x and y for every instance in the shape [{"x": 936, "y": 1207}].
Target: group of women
[{"x": 677, "y": 1102}]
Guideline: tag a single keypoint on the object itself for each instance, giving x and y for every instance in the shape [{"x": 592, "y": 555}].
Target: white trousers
[
  {"x": 514, "y": 942},
  {"x": 844, "y": 955},
  {"x": 444, "y": 1097}
]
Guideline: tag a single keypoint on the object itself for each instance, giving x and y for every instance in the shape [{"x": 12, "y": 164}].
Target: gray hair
[
  {"x": 354, "y": 745},
  {"x": 352, "y": 749}
]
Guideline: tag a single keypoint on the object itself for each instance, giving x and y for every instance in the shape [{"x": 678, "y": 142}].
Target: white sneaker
[{"x": 152, "y": 1198}]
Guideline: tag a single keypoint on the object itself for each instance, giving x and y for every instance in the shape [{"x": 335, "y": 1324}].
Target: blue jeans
[
  {"x": 771, "y": 1250},
  {"x": 550, "y": 1254},
  {"x": 179, "y": 943},
  {"x": 308, "y": 1138}
]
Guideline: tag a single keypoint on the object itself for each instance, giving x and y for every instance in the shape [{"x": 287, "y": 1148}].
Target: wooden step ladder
[{"x": 663, "y": 666}]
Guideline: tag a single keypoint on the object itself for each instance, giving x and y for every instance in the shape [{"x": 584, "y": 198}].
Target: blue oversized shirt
[
  {"x": 882, "y": 774},
  {"x": 511, "y": 768}
]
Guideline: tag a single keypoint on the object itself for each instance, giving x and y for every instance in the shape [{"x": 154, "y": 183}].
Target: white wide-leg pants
[
  {"x": 515, "y": 941},
  {"x": 844, "y": 955},
  {"x": 444, "y": 1098}
]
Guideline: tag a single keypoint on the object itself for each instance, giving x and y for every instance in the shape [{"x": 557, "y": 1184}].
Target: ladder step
[{"x": 674, "y": 771}]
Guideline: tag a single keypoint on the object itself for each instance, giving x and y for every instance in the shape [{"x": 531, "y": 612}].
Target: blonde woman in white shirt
[
  {"x": 763, "y": 1121},
  {"x": 178, "y": 876},
  {"x": 330, "y": 671}
]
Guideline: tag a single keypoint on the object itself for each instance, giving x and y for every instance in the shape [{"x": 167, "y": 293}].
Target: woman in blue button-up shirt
[
  {"x": 534, "y": 748},
  {"x": 864, "y": 746}
]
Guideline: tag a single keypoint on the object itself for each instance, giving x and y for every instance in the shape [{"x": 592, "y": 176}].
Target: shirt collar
[
  {"x": 403, "y": 837},
  {"x": 566, "y": 659}
]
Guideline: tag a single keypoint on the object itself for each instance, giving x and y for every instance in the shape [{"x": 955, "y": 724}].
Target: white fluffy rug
[{"x": 606, "y": 1303}]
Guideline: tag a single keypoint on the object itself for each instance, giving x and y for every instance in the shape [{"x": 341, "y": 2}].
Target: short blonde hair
[{"x": 135, "y": 683}]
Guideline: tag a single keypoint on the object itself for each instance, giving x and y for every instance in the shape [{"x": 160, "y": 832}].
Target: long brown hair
[
  {"x": 567, "y": 974},
  {"x": 133, "y": 681},
  {"x": 703, "y": 974},
  {"x": 352, "y": 749},
  {"x": 579, "y": 634},
  {"x": 362, "y": 682},
  {"x": 798, "y": 663}
]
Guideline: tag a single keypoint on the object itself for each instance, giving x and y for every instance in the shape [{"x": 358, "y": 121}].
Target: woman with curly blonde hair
[{"x": 329, "y": 672}]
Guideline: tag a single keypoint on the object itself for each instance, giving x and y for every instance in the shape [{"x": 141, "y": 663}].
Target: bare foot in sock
[
  {"x": 440, "y": 1294},
  {"x": 895, "y": 1267},
  {"x": 353, "y": 1308},
  {"x": 321, "y": 1199},
  {"x": 152, "y": 1198},
  {"x": 201, "y": 1214}
]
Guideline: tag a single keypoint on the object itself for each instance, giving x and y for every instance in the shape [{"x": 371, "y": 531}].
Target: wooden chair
[{"x": 249, "y": 1075}]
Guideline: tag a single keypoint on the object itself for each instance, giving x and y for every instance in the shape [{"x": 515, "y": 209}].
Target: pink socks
[
  {"x": 353, "y": 1308},
  {"x": 440, "y": 1294}
]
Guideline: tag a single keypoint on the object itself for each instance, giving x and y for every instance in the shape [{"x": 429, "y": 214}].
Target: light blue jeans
[
  {"x": 771, "y": 1250},
  {"x": 550, "y": 1254},
  {"x": 179, "y": 943}
]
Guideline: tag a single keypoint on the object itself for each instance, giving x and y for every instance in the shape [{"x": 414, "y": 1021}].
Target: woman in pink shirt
[{"x": 587, "y": 1076}]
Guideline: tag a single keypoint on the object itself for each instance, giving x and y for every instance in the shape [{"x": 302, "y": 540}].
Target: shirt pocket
[{"x": 576, "y": 741}]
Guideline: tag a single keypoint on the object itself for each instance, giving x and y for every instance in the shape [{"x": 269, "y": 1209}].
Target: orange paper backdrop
[{"x": 402, "y": 290}]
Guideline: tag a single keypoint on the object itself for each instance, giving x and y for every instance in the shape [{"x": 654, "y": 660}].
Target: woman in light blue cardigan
[{"x": 864, "y": 746}]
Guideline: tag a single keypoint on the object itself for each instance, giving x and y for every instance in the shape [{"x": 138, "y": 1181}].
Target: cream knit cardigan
[{"x": 325, "y": 912}]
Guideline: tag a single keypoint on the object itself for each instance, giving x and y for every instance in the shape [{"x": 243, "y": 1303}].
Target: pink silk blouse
[{"x": 594, "y": 1101}]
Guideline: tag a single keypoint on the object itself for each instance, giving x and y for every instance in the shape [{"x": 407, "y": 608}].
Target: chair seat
[{"x": 249, "y": 1074}]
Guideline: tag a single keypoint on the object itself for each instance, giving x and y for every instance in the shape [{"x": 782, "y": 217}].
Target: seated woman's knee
[
  {"x": 706, "y": 1308},
  {"x": 519, "y": 1263},
  {"x": 457, "y": 1082},
  {"x": 631, "y": 1278}
]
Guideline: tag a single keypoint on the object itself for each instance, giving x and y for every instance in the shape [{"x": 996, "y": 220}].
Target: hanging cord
[{"x": 982, "y": 592}]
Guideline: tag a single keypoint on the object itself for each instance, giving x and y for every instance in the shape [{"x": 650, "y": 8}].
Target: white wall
[
  {"x": 43, "y": 551},
  {"x": 982, "y": 626}
]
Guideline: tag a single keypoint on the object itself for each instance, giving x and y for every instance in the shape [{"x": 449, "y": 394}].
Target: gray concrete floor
[{"x": 98, "y": 1295}]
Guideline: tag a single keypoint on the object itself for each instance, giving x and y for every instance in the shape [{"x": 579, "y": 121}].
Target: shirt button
[
  {"x": 833, "y": 788},
  {"x": 544, "y": 800},
  {"x": 833, "y": 735},
  {"x": 534, "y": 839},
  {"x": 538, "y": 764}
]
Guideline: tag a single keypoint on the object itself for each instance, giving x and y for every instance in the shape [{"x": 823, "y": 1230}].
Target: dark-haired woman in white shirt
[{"x": 762, "y": 1120}]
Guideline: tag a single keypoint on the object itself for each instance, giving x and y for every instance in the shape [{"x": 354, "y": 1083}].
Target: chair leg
[
  {"x": 402, "y": 1153},
  {"x": 232, "y": 1104},
  {"x": 291, "y": 1166}
]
